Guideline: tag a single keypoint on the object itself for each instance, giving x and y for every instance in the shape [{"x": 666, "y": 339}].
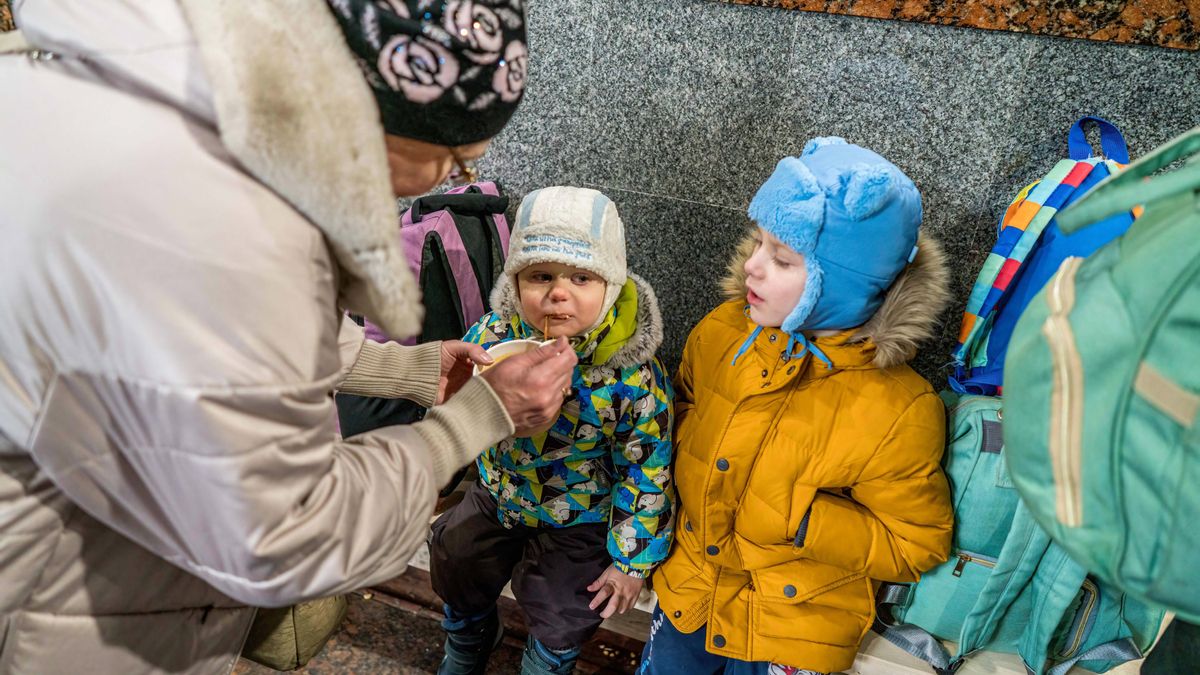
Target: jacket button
[
  {"x": 789, "y": 591},
  {"x": 718, "y": 641},
  {"x": 713, "y": 550},
  {"x": 773, "y": 338},
  {"x": 677, "y": 614},
  {"x": 791, "y": 369},
  {"x": 764, "y": 373},
  {"x": 723, "y": 464},
  {"x": 688, "y": 526}
]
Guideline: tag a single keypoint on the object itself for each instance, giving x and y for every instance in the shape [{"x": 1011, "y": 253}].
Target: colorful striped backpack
[
  {"x": 1029, "y": 248},
  {"x": 1007, "y": 587}
]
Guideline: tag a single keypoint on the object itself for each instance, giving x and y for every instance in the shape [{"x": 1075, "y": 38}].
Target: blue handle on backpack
[{"x": 1111, "y": 141}]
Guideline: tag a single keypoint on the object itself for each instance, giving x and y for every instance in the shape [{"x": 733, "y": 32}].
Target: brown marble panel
[{"x": 1163, "y": 23}]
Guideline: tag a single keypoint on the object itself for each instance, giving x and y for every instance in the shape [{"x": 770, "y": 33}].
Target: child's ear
[{"x": 868, "y": 189}]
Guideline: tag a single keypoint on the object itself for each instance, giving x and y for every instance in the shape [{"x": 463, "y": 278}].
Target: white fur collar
[{"x": 294, "y": 109}]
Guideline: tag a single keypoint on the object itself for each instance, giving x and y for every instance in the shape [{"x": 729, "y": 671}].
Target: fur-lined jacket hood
[
  {"x": 639, "y": 348},
  {"x": 291, "y": 106},
  {"x": 910, "y": 311}
]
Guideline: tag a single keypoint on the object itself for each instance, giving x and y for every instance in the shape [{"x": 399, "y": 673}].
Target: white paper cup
[{"x": 503, "y": 350}]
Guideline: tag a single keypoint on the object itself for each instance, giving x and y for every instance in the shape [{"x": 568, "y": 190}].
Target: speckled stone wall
[{"x": 679, "y": 109}]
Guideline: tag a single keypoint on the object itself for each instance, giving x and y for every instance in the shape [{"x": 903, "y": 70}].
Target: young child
[
  {"x": 808, "y": 453},
  {"x": 579, "y": 515}
]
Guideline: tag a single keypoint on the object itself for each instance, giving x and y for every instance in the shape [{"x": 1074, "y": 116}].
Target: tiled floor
[{"x": 379, "y": 639}]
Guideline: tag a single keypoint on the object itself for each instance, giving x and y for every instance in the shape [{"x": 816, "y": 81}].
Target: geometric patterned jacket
[{"x": 607, "y": 458}]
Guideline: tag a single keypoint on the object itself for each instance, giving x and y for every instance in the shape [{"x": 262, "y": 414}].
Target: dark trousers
[{"x": 472, "y": 556}]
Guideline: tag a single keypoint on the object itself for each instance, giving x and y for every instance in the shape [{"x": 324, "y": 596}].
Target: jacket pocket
[
  {"x": 812, "y": 601},
  {"x": 684, "y": 589},
  {"x": 1066, "y": 398},
  {"x": 802, "y": 499}
]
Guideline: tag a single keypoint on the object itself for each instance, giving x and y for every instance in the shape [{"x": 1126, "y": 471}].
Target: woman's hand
[
  {"x": 458, "y": 364},
  {"x": 531, "y": 386},
  {"x": 620, "y": 589}
]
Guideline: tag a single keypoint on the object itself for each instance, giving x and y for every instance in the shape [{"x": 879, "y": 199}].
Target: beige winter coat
[{"x": 188, "y": 197}]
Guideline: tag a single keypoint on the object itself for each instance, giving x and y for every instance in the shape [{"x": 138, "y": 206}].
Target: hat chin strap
[
  {"x": 611, "y": 293},
  {"x": 794, "y": 339}
]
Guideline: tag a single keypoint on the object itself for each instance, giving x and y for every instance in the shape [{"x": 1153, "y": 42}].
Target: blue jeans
[{"x": 669, "y": 652}]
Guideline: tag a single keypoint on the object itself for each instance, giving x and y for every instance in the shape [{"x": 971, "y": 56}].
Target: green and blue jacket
[{"x": 607, "y": 458}]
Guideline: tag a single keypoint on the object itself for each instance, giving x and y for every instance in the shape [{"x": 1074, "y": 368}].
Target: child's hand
[
  {"x": 458, "y": 363},
  {"x": 619, "y": 588}
]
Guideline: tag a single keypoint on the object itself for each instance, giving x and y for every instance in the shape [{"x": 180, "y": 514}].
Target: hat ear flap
[
  {"x": 868, "y": 189},
  {"x": 791, "y": 205}
]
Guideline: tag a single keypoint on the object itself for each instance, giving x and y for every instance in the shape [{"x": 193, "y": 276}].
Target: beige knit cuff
[
  {"x": 472, "y": 420},
  {"x": 390, "y": 370}
]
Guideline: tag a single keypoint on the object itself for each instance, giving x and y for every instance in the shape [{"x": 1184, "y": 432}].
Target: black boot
[
  {"x": 469, "y": 642},
  {"x": 539, "y": 659}
]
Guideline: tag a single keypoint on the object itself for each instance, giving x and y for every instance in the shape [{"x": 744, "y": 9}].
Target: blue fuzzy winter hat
[{"x": 854, "y": 217}]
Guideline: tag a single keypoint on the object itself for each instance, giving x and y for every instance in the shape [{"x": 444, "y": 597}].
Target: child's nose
[
  {"x": 751, "y": 266},
  {"x": 559, "y": 292}
]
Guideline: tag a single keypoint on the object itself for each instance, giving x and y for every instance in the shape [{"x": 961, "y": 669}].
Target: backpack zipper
[
  {"x": 1066, "y": 399},
  {"x": 1084, "y": 615},
  {"x": 964, "y": 558}
]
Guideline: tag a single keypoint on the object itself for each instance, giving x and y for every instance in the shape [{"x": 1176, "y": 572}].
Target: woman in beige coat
[{"x": 193, "y": 193}]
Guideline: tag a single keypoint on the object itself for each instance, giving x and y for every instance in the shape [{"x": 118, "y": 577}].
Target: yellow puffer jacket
[{"x": 801, "y": 486}]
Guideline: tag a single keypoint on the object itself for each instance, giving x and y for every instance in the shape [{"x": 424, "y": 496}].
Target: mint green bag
[
  {"x": 1102, "y": 389},
  {"x": 1007, "y": 587}
]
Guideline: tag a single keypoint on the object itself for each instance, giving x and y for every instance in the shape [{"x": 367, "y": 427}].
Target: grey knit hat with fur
[{"x": 571, "y": 226}]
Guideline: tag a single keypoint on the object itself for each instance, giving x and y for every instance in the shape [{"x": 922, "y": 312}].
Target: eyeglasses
[{"x": 465, "y": 172}]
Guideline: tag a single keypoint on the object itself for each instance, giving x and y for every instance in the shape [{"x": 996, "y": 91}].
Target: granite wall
[{"x": 679, "y": 109}]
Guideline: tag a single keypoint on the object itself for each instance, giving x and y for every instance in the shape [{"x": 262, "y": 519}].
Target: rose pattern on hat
[
  {"x": 509, "y": 79},
  {"x": 422, "y": 69},
  {"x": 476, "y": 25},
  {"x": 432, "y": 64}
]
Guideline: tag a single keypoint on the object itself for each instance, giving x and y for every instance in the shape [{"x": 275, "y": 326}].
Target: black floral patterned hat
[{"x": 446, "y": 72}]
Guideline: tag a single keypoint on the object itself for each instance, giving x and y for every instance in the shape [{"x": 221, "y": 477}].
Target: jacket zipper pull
[{"x": 962, "y": 562}]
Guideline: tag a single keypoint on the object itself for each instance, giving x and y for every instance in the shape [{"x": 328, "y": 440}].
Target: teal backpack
[
  {"x": 1007, "y": 587},
  {"x": 1103, "y": 390}
]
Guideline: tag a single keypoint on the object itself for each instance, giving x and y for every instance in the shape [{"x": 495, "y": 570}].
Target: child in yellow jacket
[{"x": 808, "y": 453}]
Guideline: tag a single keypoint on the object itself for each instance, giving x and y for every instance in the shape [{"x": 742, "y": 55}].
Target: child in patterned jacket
[{"x": 577, "y": 516}]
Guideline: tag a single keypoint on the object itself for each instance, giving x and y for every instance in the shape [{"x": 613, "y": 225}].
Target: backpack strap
[
  {"x": 1015, "y": 568},
  {"x": 1055, "y": 586},
  {"x": 1111, "y": 140},
  {"x": 1128, "y": 188},
  {"x": 476, "y": 204},
  {"x": 1119, "y": 651},
  {"x": 1020, "y": 230},
  {"x": 918, "y": 642}
]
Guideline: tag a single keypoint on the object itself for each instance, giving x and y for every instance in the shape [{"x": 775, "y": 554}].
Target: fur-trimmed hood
[
  {"x": 640, "y": 348},
  {"x": 292, "y": 108},
  {"x": 910, "y": 311}
]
